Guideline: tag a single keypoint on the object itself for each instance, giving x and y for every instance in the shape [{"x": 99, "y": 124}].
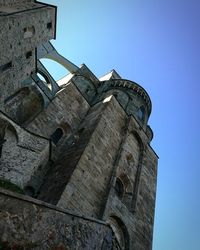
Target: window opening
[
  {"x": 28, "y": 54},
  {"x": 5, "y": 67},
  {"x": 57, "y": 135},
  {"x": 49, "y": 25},
  {"x": 120, "y": 232},
  {"x": 140, "y": 113},
  {"x": 1, "y": 145},
  {"x": 119, "y": 188}
]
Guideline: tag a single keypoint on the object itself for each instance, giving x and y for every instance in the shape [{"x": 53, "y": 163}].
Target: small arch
[
  {"x": 24, "y": 105},
  {"x": 56, "y": 136},
  {"x": 120, "y": 231},
  {"x": 126, "y": 182},
  {"x": 130, "y": 159},
  {"x": 44, "y": 78},
  {"x": 65, "y": 127},
  {"x": 56, "y": 69},
  {"x": 85, "y": 86},
  {"x": 139, "y": 139},
  {"x": 12, "y": 129},
  {"x": 121, "y": 96}
]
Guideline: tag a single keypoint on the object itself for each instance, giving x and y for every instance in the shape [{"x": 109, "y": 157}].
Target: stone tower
[{"x": 79, "y": 146}]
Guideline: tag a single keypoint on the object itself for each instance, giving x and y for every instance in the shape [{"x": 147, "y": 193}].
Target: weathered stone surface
[
  {"x": 82, "y": 145},
  {"x": 17, "y": 54},
  {"x": 29, "y": 224}
]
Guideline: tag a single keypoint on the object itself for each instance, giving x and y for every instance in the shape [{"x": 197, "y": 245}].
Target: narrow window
[
  {"x": 57, "y": 135},
  {"x": 141, "y": 113},
  {"x": 49, "y": 25},
  {"x": 119, "y": 188},
  {"x": 5, "y": 67},
  {"x": 1, "y": 146},
  {"x": 28, "y": 54}
]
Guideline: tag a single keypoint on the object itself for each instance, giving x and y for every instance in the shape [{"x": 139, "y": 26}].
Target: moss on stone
[{"x": 10, "y": 186}]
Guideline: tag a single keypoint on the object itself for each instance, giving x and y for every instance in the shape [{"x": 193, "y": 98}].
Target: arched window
[
  {"x": 119, "y": 188},
  {"x": 120, "y": 231},
  {"x": 57, "y": 135},
  {"x": 141, "y": 113}
]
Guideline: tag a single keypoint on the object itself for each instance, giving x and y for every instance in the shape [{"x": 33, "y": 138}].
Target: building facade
[{"x": 77, "y": 149}]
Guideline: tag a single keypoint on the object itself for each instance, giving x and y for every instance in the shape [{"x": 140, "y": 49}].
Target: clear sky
[{"x": 157, "y": 44}]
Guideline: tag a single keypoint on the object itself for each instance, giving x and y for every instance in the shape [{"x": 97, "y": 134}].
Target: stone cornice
[{"x": 132, "y": 86}]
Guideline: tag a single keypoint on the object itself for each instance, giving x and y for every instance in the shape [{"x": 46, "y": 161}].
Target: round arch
[
  {"x": 126, "y": 182},
  {"x": 120, "y": 231},
  {"x": 56, "y": 69},
  {"x": 139, "y": 139},
  {"x": 121, "y": 96}
]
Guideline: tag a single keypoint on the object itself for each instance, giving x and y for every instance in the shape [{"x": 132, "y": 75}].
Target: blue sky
[{"x": 157, "y": 44}]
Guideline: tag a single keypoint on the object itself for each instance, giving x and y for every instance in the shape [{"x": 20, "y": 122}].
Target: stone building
[{"x": 76, "y": 167}]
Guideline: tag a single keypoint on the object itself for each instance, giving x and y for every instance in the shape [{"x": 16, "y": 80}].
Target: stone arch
[
  {"x": 46, "y": 50},
  {"x": 138, "y": 171},
  {"x": 139, "y": 139},
  {"x": 24, "y": 105},
  {"x": 85, "y": 86},
  {"x": 65, "y": 127},
  {"x": 126, "y": 182},
  {"x": 121, "y": 96},
  {"x": 13, "y": 130},
  {"x": 44, "y": 78},
  {"x": 120, "y": 231},
  {"x": 119, "y": 187},
  {"x": 126, "y": 190},
  {"x": 54, "y": 67}
]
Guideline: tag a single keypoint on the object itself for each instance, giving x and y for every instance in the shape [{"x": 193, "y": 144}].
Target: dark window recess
[
  {"x": 30, "y": 191},
  {"x": 49, "y": 25},
  {"x": 119, "y": 188},
  {"x": 5, "y": 67},
  {"x": 28, "y": 54},
  {"x": 57, "y": 135},
  {"x": 1, "y": 145}
]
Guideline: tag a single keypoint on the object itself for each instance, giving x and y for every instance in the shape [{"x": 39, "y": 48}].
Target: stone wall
[
  {"x": 22, "y": 153},
  {"x": 23, "y": 29},
  {"x": 137, "y": 170},
  {"x": 30, "y": 224},
  {"x": 68, "y": 107},
  {"x": 88, "y": 186}
]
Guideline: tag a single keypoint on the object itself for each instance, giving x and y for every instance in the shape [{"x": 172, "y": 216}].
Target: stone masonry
[{"x": 77, "y": 150}]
